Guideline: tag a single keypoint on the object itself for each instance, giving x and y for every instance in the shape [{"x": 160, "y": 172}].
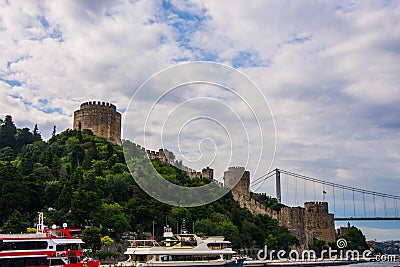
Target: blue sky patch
[
  {"x": 249, "y": 59},
  {"x": 184, "y": 22},
  {"x": 43, "y": 21},
  {"x": 51, "y": 110},
  {"x": 57, "y": 34},
  {"x": 15, "y": 96},
  {"x": 43, "y": 101},
  {"x": 12, "y": 83},
  {"x": 299, "y": 38}
]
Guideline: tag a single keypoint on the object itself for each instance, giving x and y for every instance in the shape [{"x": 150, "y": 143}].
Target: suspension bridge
[{"x": 347, "y": 203}]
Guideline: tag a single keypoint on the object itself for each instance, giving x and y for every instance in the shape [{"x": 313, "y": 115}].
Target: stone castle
[
  {"x": 166, "y": 156},
  {"x": 101, "y": 118},
  {"x": 305, "y": 223},
  {"x": 312, "y": 220}
]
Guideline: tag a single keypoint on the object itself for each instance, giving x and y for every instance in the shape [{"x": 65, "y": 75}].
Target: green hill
[{"x": 82, "y": 179}]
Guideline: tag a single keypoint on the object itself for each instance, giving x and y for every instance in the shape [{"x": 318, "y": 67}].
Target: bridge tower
[{"x": 278, "y": 185}]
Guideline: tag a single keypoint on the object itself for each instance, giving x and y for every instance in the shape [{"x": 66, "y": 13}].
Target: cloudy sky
[{"x": 328, "y": 69}]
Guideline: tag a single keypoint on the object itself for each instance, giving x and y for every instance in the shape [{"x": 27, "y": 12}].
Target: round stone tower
[{"x": 101, "y": 118}]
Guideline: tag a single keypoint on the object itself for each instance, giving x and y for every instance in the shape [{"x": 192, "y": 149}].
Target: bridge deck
[{"x": 367, "y": 219}]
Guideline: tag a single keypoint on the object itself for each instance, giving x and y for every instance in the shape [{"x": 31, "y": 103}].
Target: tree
[
  {"x": 285, "y": 240},
  {"x": 7, "y": 154},
  {"x": 23, "y": 137},
  {"x": 355, "y": 239},
  {"x": 7, "y": 133},
  {"x": 83, "y": 204},
  {"x": 15, "y": 224},
  {"x": 106, "y": 241},
  {"x": 36, "y": 134},
  {"x": 53, "y": 134},
  {"x": 318, "y": 245},
  {"x": 26, "y": 166},
  {"x": 271, "y": 242},
  {"x": 31, "y": 230},
  {"x": 112, "y": 217},
  {"x": 92, "y": 238},
  {"x": 228, "y": 230}
]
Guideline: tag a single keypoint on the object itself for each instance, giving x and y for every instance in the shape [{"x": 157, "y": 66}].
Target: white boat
[
  {"x": 181, "y": 250},
  {"x": 45, "y": 248}
]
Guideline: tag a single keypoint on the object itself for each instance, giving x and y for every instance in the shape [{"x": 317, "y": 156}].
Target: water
[{"x": 373, "y": 264}]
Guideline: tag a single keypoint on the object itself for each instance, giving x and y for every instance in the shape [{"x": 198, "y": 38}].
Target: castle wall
[
  {"x": 304, "y": 223},
  {"x": 253, "y": 205},
  {"x": 319, "y": 222},
  {"x": 294, "y": 219},
  {"x": 166, "y": 156},
  {"x": 101, "y": 118}
]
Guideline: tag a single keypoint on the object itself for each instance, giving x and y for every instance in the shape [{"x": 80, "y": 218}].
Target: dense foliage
[
  {"x": 82, "y": 179},
  {"x": 355, "y": 239}
]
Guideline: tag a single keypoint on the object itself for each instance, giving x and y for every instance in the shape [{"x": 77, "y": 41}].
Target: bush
[{"x": 102, "y": 255}]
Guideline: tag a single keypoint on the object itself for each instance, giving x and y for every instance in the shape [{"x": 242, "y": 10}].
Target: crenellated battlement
[
  {"x": 96, "y": 104},
  {"x": 316, "y": 206}
]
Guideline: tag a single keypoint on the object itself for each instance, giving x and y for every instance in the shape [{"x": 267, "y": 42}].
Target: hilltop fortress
[
  {"x": 305, "y": 223},
  {"x": 100, "y": 117}
]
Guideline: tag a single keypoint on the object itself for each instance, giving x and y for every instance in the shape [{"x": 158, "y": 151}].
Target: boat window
[
  {"x": 29, "y": 245},
  {"x": 22, "y": 262},
  {"x": 141, "y": 258},
  {"x": 64, "y": 247},
  {"x": 73, "y": 259},
  {"x": 190, "y": 257},
  {"x": 149, "y": 257},
  {"x": 57, "y": 262},
  {"x": 72, "y": 254},
  {"x": 227, "y": 256},
  {"x": 218, "y": 246},
  {"x": 188, "y": 240}
]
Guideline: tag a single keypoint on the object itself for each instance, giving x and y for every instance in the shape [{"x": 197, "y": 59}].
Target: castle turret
[
  {"x": 319, "y": 222},
  {"x": 101, "y": 118},
  {"x": 207, "y": 174},
  {"x": 240, "y": 177}
]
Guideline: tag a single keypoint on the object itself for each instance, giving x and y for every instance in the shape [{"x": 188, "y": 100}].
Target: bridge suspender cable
[
  {"x": 365, "y": 193},
  {"x": 261, "y": 179},
  {"x": 354, "y": 205}
]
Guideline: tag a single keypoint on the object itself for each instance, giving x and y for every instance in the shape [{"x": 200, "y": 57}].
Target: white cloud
[{"x": 329, "y": 70}]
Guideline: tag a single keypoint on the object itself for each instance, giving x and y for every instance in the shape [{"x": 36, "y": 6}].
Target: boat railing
[{"x": 145, "y": 243}]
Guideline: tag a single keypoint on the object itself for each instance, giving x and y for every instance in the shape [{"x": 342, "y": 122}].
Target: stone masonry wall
[
  {"x": 304, "y": 223},
  {"x": 318, "y": 222},
  {"x": 166, "y": 156},
  {"x": 294, "y": 219}
]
